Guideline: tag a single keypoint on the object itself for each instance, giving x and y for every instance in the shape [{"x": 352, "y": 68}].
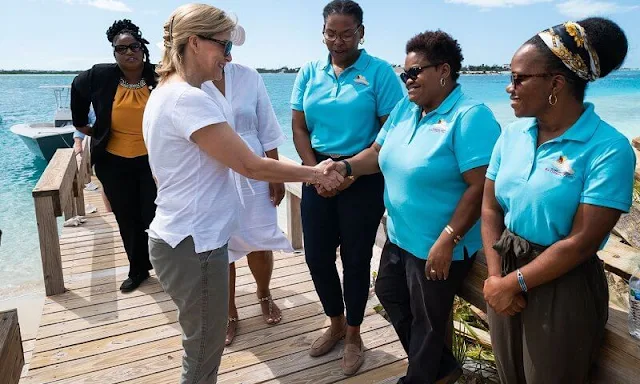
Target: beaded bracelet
[{"x": 521, "y": 282}]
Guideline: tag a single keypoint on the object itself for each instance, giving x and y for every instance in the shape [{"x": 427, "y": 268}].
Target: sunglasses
[
  {"x": 227, "y": 44},
  {"x": 122, "y": 49},
  {"x": 413, "y": 72},
  {"x": 518, "y": 78}
]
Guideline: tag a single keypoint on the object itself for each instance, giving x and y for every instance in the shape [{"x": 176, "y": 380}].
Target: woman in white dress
[{"x": 258, "y": 232}]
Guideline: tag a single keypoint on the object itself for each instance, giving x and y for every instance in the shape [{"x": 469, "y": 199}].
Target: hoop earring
[
  {"x": 362, "y": 41},
  {"x": 553, "y": 99},
  {"x": 443, "y": 82},
  {"x": 324, "y": 41}
]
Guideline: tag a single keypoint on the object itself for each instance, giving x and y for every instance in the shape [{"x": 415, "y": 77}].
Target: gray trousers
[
  {"x": 198, "y": 285},
  {"x": 556, "y": 338}
]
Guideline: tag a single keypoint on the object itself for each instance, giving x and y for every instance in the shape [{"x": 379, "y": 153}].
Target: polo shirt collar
[
  {"x": 447, "y": 104},
  {"x": 582, "y": 130},
  {"x": 360, "y": 64}
]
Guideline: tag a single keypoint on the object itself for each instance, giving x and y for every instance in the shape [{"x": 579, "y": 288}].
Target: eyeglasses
[
  {"x": 347, "y": 36},
  {"x": 122, "y": 49},
  {"x": 518, "y": 78},
  {"x": 413, "y": 72},
  {"x": 227, "y": 44}
]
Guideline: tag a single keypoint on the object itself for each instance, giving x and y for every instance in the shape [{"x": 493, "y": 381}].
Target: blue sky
[{"x": 70, "y": 34}]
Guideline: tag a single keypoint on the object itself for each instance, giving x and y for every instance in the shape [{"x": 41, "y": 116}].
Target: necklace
[{"x": 137, "y": 85}]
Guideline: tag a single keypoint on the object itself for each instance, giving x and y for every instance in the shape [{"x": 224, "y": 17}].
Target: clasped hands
[
  {"x": 338, "y": 167},
  {"x": 328, "y": 178},
  {"x": 504, "y": 298}
]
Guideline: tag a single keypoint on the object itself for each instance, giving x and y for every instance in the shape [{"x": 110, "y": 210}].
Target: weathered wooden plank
[
  {"x": 628, "y": 225},
  {"x": 123, "y": 310},
  {"x": 49, "y": 246},
  {"x": 172, "y": 345},
  {"x": 380, "y": 363},
  {"x": 295, "y": 362},
  {"x": 114, "y": 329},
  {"x": 90, "y": 350},
  {"x": 57, "y": 177},
  {"x": 11, "y": 352},
  {"x": 619, "y": 258},
  {"x": 387, "y": 374}
]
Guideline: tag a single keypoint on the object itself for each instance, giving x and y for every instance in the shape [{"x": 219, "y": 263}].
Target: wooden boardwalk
[{"x": 93, "y": 333}]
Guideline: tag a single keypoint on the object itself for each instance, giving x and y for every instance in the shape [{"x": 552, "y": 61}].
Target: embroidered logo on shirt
[
  {"x": 439, "y": 127},
  {"x": 361, "y": 79},
  {"x": 561, "y": 167}
]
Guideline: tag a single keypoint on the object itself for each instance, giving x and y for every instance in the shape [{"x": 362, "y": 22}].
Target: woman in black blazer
[{"x": 118, "y": 93}]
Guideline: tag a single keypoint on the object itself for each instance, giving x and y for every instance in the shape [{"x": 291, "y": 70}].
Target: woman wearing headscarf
[{"x": 556, "y": 186}]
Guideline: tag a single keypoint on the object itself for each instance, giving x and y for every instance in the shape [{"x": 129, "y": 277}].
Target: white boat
[{"x": 43, "y": 139}]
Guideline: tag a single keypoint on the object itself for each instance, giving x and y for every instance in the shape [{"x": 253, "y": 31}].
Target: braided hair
[{"x": 123, "y": 26}]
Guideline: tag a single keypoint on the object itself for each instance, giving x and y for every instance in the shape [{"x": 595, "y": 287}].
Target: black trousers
[
  {"x": 131, "y": 190},
  {"x": 419, "y": 310},
  {"x": 349, "y": 220}
]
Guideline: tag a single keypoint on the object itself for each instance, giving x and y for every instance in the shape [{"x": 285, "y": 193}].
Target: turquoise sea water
[{"x": 617, "y": 100}]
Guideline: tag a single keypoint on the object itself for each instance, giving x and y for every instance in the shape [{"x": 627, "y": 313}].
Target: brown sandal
[
  {"x": 270, "y": 319},
  {"x": 229, "y": 338}
]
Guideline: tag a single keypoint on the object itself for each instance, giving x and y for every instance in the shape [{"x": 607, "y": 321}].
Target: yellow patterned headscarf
[{"x": 569, "y": 43}]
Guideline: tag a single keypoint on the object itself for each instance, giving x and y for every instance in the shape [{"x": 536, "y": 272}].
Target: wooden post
[
  {"x": 78, "y": 193},
  {"x": 11, "y": 353},
  {"x": 49, "y": 245},
  {"x": 294, "y": 220}
]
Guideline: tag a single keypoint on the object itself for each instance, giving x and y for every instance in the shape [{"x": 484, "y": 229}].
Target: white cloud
[
  {"x": 109, "y": 5},
  {"x": 496, "y": 3},
  {"x": 584, "y": 8}
]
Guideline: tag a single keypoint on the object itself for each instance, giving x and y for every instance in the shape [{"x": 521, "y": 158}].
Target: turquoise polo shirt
[
  {"x": 423, "y": 159},
  {"x": 540, "y": 189},
  {"x": 342, "y": 112}
]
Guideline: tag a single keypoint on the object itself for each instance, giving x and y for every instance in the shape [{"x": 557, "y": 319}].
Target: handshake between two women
[{"x": 336, "y": 171}]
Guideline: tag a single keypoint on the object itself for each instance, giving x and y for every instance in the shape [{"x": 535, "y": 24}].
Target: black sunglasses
[
  {"x": 413, "y": 72},
  {"x": 122, "y": 49},
  {"x": 227, "y": 44},
  {"x": 518, "y": 78}
]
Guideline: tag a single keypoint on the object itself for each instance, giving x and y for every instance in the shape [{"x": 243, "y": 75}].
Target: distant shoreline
[
  {"x": 70, "y": 72},
  {"x": 397, "y": 69}
]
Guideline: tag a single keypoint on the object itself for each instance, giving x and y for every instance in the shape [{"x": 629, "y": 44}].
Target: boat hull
[{"x": 44, "y": 139}]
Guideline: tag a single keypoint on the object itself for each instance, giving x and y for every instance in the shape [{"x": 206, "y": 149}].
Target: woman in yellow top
[{"x": 119, "y": 94}]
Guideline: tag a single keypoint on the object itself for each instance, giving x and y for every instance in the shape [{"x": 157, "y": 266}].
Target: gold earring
[
  {"x": 443, "y": 82},
  {"x": 553, "y": 99}
]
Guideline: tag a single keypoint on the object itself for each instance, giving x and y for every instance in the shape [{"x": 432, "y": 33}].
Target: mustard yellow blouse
[{"x": 126, "y": 122}]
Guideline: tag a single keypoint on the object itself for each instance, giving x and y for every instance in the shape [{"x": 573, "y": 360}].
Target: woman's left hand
[
  {"x": 276, "y": 193},
  {"x": 501, "y": 298},
  {"x": 439, "y": 260}
]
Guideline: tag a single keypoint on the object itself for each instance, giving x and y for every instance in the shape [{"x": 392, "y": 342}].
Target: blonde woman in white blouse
[{"x": 258, "y": 232}]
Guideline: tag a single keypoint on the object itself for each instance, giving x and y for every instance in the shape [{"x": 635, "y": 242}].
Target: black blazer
[{"x": 98, "y": 86}]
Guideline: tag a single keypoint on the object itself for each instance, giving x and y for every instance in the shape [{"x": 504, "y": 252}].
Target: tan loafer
[
  {"x": 325, "y": 343},
  {"x": 352, "y": 359}
]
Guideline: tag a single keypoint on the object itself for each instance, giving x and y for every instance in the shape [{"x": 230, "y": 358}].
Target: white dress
[{"x": 255, "y": 121}]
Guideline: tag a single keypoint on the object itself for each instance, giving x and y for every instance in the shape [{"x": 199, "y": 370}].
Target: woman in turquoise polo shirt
[
  {"x": 339, "y": 104},
  {"x": 433, "y": 152},
  {"x": 556, "y": 186}
]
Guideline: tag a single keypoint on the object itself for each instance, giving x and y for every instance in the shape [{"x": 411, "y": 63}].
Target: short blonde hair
[{"x": 184, "y": 22}]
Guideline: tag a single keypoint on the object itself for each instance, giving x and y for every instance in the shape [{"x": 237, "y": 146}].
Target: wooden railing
[
  {"x": 11, "y": 353},
  {"x": 59, "y": 192},
  {"x": 619, "y": 360}
]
